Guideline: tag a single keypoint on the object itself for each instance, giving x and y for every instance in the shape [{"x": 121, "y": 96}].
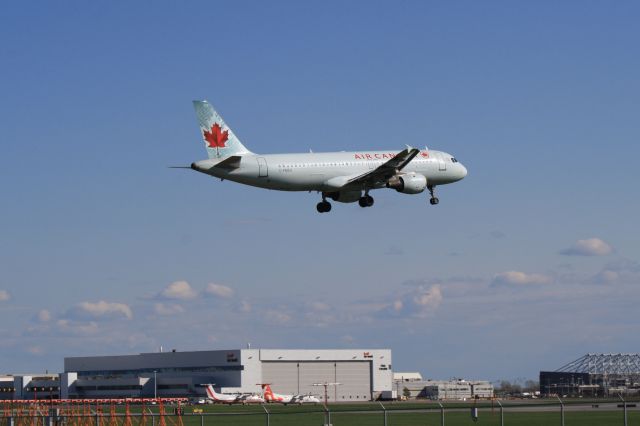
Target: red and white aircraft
[
  {"x": 222, "y": 398},
  {"x": 270, "y": 396}
]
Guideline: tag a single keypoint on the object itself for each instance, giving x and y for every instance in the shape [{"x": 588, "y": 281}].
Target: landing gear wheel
[
  {"x": 434, "y": 200},
  {"x": 323, "y": 207},
  {"x": 366, "y": 201}
]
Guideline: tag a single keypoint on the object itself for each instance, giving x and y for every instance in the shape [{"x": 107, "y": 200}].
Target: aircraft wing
[{"x": 385, "y": 171}]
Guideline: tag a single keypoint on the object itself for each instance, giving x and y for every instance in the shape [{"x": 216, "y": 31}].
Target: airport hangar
[{"x": 363, "y": 374}]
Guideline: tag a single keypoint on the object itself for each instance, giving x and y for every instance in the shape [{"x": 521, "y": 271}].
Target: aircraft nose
[{"x": 461, "y": 172}]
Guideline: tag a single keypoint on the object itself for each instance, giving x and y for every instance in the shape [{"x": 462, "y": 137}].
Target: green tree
[{"x": 406, "y": 392}]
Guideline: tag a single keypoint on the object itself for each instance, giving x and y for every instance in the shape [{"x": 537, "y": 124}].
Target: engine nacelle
[
  {"x": 410, "y": 183},
  {"x": 344, "y": 196}
]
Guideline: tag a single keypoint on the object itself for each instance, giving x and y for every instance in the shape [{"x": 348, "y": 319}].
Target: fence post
[
  {"x": 624, "y": 408},
  {"x": 501, "y": 413},
  {"x": 384, "y": 411},
  {"x": 201, "y": 419},
  {"x": 561, "y": 411},
  {"x": 266, "y": 411},
  {"x": 441, "y": 414}
]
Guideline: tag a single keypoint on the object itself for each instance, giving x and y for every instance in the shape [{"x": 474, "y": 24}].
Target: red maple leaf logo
[{"x": 216, "y": 137}]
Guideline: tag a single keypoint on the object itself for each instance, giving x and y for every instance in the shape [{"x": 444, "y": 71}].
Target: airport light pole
[
  {"x": 326, "y": 385},
  {"x": 155, "y": 384}
]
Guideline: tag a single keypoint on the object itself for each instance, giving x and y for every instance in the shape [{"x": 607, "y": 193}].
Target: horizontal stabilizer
[
  {"x": 228, "y": 163},
  {"x": 232, "y": 162}
]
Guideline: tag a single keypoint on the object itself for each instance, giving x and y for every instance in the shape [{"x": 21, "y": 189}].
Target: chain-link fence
[{"x": 558, "y": 413}]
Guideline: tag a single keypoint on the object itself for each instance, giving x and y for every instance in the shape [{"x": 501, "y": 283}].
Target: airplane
[
  {"x": 270, "y": 396},
  {"x": 306, "y": 399},
  {"x": 345, "y": 177},
  {"x": 251, "y": 399},
  {"x": 222, "y": 398}
]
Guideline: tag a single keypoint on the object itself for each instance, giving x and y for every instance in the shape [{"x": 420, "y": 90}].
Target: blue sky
[{"x": 527, "y": 264}]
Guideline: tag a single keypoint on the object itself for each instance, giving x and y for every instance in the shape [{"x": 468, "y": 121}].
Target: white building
[
  {"x": 362, "y": 373},
  {"x": 458, "y": 389}
]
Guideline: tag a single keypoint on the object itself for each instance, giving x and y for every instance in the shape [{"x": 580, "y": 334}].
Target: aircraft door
[
  {"x": 263, "y": 169},
  {"x": 442, "y": 165}
]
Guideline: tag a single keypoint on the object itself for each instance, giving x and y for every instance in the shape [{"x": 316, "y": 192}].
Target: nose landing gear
[{"x": 433, "y": 200}]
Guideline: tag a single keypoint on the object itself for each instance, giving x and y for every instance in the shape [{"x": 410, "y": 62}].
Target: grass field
[
  {"x": 401, "y": 418},
  {"x": 406, "y": 414},
  {"x": 538, "y": 413}
]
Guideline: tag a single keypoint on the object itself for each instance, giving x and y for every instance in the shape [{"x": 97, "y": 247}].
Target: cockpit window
[{"x": 453, "y": 160}]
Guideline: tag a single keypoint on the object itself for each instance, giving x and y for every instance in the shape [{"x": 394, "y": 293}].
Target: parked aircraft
[
  {"x": 270, "y": 396},
  {"x": 222, "y": 398},
  {"x": 344, "y": 177},
  {"x": 251, "y": 399},
  {"x": 306, "y": 399}
]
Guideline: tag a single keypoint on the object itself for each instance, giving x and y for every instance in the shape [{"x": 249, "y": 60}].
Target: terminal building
[{"x": 362, "y": 374}]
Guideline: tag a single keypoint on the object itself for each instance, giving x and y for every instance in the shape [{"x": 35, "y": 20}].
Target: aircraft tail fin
[
  {"x": 210, "y": 392},
  {"x": 219, "y": 139},
  {"x": 268, "y": 393}
]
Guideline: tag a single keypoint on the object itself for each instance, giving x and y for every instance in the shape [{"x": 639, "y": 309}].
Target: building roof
[
  {"x": 604, "y": 364},
  {"x": 407, "y": 376}
]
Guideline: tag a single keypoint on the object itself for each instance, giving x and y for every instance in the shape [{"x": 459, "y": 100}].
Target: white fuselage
[{"x": 314, "y": 171}]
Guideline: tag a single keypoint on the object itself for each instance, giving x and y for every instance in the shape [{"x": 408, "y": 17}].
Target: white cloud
[
  {"x": 398, "y": 305},
  {"x": 588, "y": 247},
  {"x": 179, "y": 290},
  {"x": 245, "y": 307},
  {"x": 77, "y": 328},
  {"x": 4, "y": 296},
  {"x": 428, "y": 298},
  {"x": 44, "y": 316},
  {"x": 347, "y": 338},
  {"x": 35, "y": 350},
  {"x": 167, "y": 309},
  {"x": 276, "y": 317},
  {"x": 100, "y": 310},
  {"x": 319, "y": 306},
  {"x": 517, "y": 278},
  {"x": 219, "y": 290},
  {"x": 606, "y": 276},
  {"x": 621, "y": 271},
  {"x": 418, "y": 302}
]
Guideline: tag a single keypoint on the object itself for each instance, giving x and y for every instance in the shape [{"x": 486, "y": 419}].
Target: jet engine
[
  {"x": 344, "y": 196},
  {"x": 410, "y": 183}
]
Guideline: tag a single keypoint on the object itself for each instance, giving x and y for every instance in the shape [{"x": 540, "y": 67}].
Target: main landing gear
[
  {"x": 366, "y": 200},
  {"x": 434, "y": 200},
  {"x": 323, "y": 206}
]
